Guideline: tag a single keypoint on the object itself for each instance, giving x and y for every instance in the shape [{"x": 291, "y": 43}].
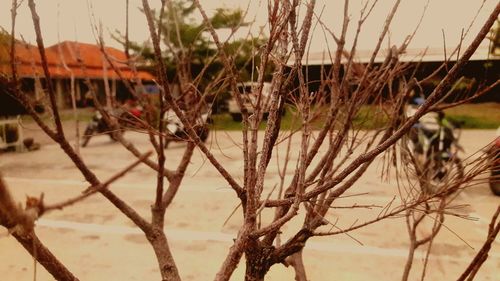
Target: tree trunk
[
  {"x": 166, "y": 263},
  {"x": 254, "y": 270},
  {"x": 257, "y": 264},
  {"x": 42, "y": 255}
]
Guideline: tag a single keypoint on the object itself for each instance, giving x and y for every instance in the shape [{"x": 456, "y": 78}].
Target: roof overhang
[{"x": 410, "y": 55}]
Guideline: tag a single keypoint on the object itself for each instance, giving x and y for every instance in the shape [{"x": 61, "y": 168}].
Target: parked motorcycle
[
  {"x": 494, "y": 153},
  {"x": 175, "y": 129},
  {"x": 97, "y": 126},
  {"x": 128, "y": 115},
  {"x": 436, "y": 148}
]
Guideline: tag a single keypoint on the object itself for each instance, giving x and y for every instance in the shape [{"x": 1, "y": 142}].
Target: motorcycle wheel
[
  {"x": 113, "y": 137},
  {"x": 494, "y": 182},
  {"x": 495, "y": 186},
  {"x": 437, "y": 171},
  {"x": 203, "y": 134},
  {"x": 457, "y": 163},
  {"x": 86, "y": 136},
  {"x": 451, "y": 167}
]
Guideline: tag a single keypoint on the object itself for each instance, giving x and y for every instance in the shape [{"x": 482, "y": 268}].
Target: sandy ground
[{"x": 97, "y": 242}]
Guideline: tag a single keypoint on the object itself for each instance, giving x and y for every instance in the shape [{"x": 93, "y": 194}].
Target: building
[
  {"x": 73, "y": 62},
  {"x": 482, "y": 68}
]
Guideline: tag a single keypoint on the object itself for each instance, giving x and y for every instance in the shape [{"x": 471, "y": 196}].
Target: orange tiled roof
[{"x": 28, "y": 61}]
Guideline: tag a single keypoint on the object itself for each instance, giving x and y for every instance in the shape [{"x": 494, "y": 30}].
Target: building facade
[{"x": 71, "y": 65}]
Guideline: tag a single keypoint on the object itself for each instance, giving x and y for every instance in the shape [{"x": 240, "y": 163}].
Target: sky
[{"x": 70, "y": 20}]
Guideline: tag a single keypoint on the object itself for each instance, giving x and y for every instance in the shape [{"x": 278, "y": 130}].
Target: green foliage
[
  {"x": 471, "y": 122},
  {"x": 224, "y": 122},
  {"x": 187, "y": 45},
  {"x": 4, "y": 36},
  {"x": 226, "y": 18},
  {"x": 5, "y": 39},
  {"x": 473, "y": 116},
  {"x": 243, "y": 51},
  {"x": 476, "y": 116},
  {"x": 67, "y": 115},
  {"x": 368, "y": 118},
  {"x": 178, "y": 27},
  {"x": 465, "y": 84}
]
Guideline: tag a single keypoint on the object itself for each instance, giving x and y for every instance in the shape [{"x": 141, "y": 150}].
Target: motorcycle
[
  {"x": 175, "y": 129},
  {"x": 436, "y": 148},
  {"x": 494, "y": 153},
  {"x": 127, "y": 117},
  {"x": 97, "y": 126}
]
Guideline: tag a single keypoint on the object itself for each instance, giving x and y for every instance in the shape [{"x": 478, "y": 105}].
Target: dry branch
[
  {"x": 20, "y": 223},
  {"x": 482, "y": 255}
]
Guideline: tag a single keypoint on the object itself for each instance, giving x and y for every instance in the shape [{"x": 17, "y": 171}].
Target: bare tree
[{"x": 330, "y": 161}]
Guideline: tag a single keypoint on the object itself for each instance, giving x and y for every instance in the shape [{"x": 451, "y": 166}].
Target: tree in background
[
  {"x": 188, "y": 51},
  {"x": 4, "y": 44}
]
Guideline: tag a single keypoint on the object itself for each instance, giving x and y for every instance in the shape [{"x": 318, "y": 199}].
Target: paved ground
[{"x": 99, "y": 243}]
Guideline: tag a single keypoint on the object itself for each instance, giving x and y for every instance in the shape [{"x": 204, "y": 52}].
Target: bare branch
[
  {"x": 94, "y": 189},
  {"x": 482, "y": 255},
  {"x": 20, "y": 223},
  {"x": 41, "y": 49}
]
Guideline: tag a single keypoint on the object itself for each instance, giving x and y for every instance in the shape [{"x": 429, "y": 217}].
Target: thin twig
[{"x": 94, "y": 189}]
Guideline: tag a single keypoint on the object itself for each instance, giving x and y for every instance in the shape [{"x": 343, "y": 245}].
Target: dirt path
[{"x": 99, "y": 243}]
